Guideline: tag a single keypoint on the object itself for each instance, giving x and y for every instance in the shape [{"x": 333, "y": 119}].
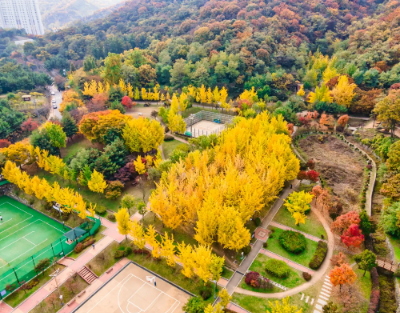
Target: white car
[
  {"x": 53, "y": 101},
  {"x": 54, "y": 106},
  {"x": 53, "y": 93}
]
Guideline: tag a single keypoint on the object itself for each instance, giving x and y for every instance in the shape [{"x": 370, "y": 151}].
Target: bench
[
  {"x": 109, "y": 271},
  {"x": 71, "y": 302},
  {"x": 81, "y": 294}
]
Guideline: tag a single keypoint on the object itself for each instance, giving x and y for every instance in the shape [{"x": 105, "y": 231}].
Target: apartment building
[{"x": 21, "y": 14}]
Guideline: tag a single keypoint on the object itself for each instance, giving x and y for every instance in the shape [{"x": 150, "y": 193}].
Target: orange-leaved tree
[{"x": 342, "y": 275}]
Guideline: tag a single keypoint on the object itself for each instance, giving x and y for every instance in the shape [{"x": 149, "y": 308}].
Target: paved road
[{"x": 58, "y": 97}]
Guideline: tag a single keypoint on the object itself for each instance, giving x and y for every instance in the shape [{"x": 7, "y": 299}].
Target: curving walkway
[
  {"x": 284, "y": 227},
  {"x": 320, "y": 273}
]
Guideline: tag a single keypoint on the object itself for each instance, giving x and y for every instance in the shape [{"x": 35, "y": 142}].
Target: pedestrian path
[
  {"x": 287, "y": 261},
  {"x": 324, "y": 295},
  {"x": 284, "y": 227},
  {"x": 307, "y": 299}
]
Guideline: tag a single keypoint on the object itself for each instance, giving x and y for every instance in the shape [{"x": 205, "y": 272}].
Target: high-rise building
[{"x": 21, "y": 14}]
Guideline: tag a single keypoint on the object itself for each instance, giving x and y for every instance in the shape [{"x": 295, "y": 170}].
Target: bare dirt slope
[{"x": 340, "y": 167}]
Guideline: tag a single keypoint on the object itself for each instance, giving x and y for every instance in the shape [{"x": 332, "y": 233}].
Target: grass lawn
[
  {"x": 71, "y": 150},
  {"x": 312, "y": 226},
  {"x": 294, "y": 279},
  {"x": 69, "y": 290},
  {"x": 169, "y": 146},
  {"x": 302, "y": 258},
  {"x": 260, "y": 305},
  {"x": 364, "y": 282},
  {"x": 94, "y": 197},
  {"x": 396, "y": 247},
  {"x": 226, "y": 273},
  {"x": 97, "y": 237},
  {"x": 18, "y": 296},
  {"x": 243, "y": 285}
]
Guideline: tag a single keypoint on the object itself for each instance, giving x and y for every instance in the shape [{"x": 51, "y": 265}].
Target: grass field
[
  {"x": 169, "y": 146},
  {"x": 294, "y": 279},
  {"x": 312, "y": 226},
  {"x": 302, "y": 258},
  {"x": 23, "y": 232}
]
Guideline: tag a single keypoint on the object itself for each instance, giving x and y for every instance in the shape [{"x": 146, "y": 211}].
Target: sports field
[
  {"x": 24, "y": 232},
  {"x": 133, "y": 291}
]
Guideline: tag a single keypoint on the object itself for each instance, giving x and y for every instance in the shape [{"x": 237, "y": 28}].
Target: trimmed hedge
[
  {"x": 307, "y": 276},
  {"x": 293, "y": 241},
  {"x": 277, "y": 268},
  {"x": 319, "y": 255},
  {"x": 168, "y": 138},
  {"x": 375, "y": 292}
]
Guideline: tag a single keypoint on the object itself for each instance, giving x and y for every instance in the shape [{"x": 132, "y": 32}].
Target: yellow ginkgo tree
[
  {"x": 97, "y": 182},
  {"x": 298, "y": 203}
]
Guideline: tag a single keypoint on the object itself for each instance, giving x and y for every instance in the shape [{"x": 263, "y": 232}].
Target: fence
[
  {"x": 25, "y": 270},
  {"x": 208, "y": 116}
]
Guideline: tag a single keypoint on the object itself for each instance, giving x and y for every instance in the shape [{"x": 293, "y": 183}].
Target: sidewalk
[
  {"x": 295, "y": 265},
  {"x": 284, "y": 227}
]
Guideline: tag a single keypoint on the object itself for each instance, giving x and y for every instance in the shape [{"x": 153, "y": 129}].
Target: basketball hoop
[{"x": 151, "y": 279}]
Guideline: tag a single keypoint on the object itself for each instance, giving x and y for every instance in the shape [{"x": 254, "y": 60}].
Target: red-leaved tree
[
  {"x": 305, "y": 121},
  {"x": 352, "y": 236},
  {"x": 343, "y": 120},
  {"x": 302, "y": 175},
  {"x": 29, "y": 125},
  {"x": 4, "y": 143},
  {"x": 290, "y": 128},
  {"x": 313, "y": 175},
  {"x": 311, "y": 164},
  {"x": 126, "y": 102},
  {"x": 343, "y": 222}
]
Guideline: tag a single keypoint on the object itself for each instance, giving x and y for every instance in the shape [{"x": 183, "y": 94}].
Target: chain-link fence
[{"x": 17, "y": 276}]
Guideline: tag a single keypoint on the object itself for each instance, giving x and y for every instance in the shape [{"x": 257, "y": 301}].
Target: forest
[{"x": 238, "y": 44}]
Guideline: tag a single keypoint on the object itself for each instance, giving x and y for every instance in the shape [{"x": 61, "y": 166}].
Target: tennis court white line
[
  {"x": 18, "y": 209},
  {"x": 3, "y": 222},
  {"x": 29, "y": 262},
  {"x": 23, "y": 253},
  {"x": 17, "y": 240},
  {"x": 19, "y": 230}
]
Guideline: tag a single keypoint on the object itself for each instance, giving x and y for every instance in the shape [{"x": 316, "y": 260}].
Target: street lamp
[{"x": 54, "y": 275}]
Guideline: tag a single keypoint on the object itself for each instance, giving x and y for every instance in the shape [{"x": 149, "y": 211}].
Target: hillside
[{"x": 56, "y": 14}]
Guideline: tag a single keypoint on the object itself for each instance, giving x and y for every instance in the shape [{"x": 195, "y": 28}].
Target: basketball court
[
  {"x": 23, "y": 232},
  {"x": 205, "y": 128},
  {"x": 135, "y": 290}
]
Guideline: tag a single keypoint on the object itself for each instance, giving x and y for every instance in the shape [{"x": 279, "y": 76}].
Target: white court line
[
  {"x": 17, "y": 240},
  {"x": 19, "y": 230},
  {"x": 28, "y": 262},
  {"x": 19, "y": 222},
  {"x": 2, "y": 223},
  {"x": 23, "y": 253},
  {"x": 127, "y": 277},
  {"x": 160, "y": 292}
]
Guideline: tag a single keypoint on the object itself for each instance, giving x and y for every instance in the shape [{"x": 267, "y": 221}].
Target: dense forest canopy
[{"x": 230, "y": 42}]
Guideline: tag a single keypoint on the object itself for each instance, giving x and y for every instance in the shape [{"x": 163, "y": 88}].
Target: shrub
[
  {"x": 100, "y": 210},
  {"x": 78, "y": 248},
  {"x": 293, "y": 241},
  {"x": 206, "y": 292},
  {"x": 251, "y": 279},
  {"x": 111, "y": 217},
  {"x": 168, "y": 138},
  {"x": 257, "y": 221},
  {"x": 246, "y": 250},
  {"x": 194, "y": 305},
  {"x": 265, "y": 245},
  {"x": 42, "y": 265},
  {"x": 277, "y": 268},
  {"x": 11, "y": 287},
  {"x": 319, "y": 255},
  {"x": 307, "y": 276},
  {"x": 119, "y": 254},
  {"x": 375, "y": 292}
]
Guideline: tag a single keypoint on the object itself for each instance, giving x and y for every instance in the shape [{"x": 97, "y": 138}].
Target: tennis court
[
  {"x": 23, "y": 232},
  {"x": 133, "y": 291}
]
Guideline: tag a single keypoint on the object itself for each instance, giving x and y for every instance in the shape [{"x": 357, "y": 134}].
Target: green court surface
[{"x": 23, "y": 233}]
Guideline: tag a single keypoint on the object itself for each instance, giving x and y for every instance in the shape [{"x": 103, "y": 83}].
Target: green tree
[
  {"x": 56, "y": 135},
  {"x": 366, "y": 226},
  {"x": 388, "y": 112},
  {"x": 366, "y": 260},
  {"x": 112, "y": 69},
  {"x": 69, "y": 125},
  {"x": 194, "y": 305},
  {"x": 330, "y": 308}
]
